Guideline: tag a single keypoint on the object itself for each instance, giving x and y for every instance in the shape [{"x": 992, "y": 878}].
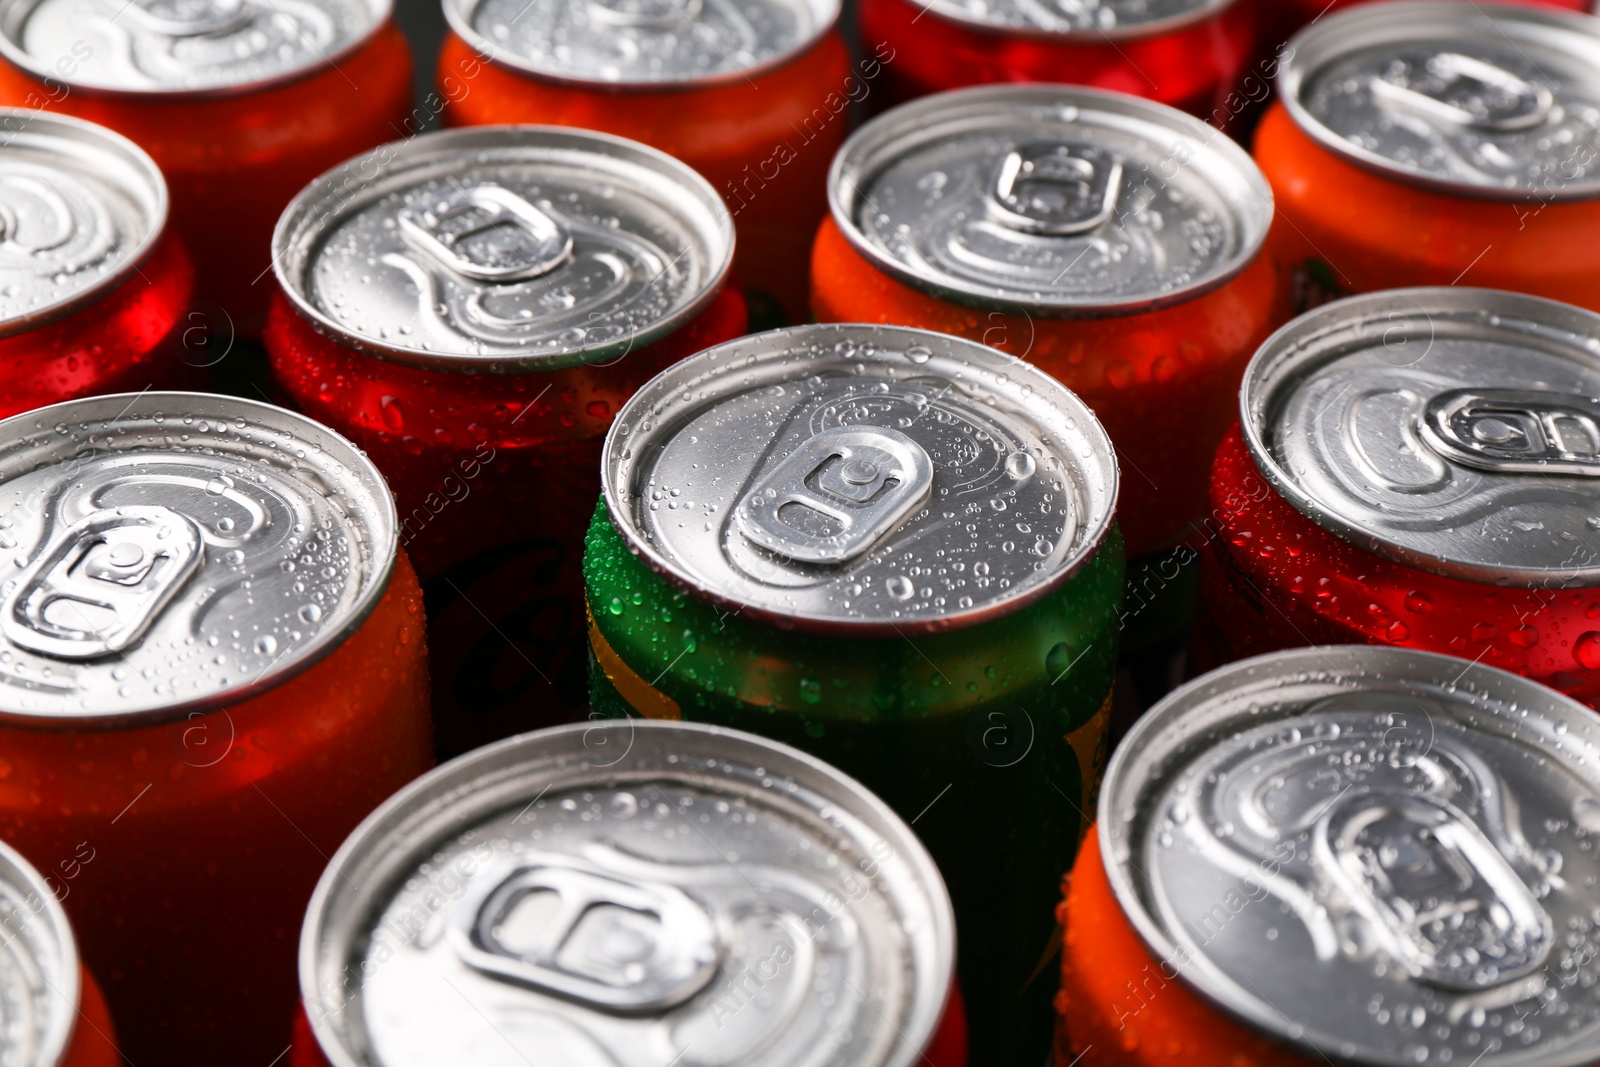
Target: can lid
[
  {"x": 1379, "y": 855},
  {"x": 1482, "y": 100},
  {"x": 860, "y": 479},
  {"x": 1096, "y": 21},
  {"x": 183, "y": 47},
  {"x": 39, "y": 986},
  {"x": 162, "y": 553},
  {"x": 1453, "y": 430},
  {"x": 80, "y": 208},
  {"x": 1048, "y": 199},
  {"x": 498, "y": 249},
  {"x": 642, "y": 43},
  {"x": 624, "y": 892}
]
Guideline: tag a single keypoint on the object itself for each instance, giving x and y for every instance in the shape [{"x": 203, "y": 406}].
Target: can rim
[
  {"x": 1291, "y": 350},
  {"x": 15, "y": 121},
  {"x": 660, "y": 392},
  {"x": 66, "y": 984},
  {"x": 304, "y": 222},
  {"x": 952, "y": 12},
  {"x": 458, "y": 16},
  {"x": 14, "y": 13},
  {"x": 1358, "y": 28},
  {"x": 909, "y": 127},
  {"x": 1167, "y": 726},
  {"x": 421, "y": 812},
  {"x": 383, "y": 527}
]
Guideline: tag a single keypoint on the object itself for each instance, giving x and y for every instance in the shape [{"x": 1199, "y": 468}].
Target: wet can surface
[
  {"x": 1416, "y": 467},
  {"x": 94, "y": 287},
  {"x": 894, "y": 550},
  {"x": 619, "y": 893},
  {"x": 1417, "y": 144},
  {"x": 240, "y": 103},
  {"x": 213, "y": 667},
  {"x": 54, "y": 1013},
  {"x": 471, "y": 308},
  {"x": 1280, "y": 20},
  {"x": 754, "y": 94},
  {"x": 1186, "y": 53},
  {"x": 1342, "y": 855}
]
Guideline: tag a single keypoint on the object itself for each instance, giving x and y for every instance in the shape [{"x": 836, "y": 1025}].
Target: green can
[{"x": 893, "y": 549}]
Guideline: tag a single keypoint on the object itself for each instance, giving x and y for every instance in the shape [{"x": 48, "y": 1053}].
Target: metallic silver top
[
  {"x": 1102, "y": 21},
  {"x": 642, "y": 43},
  {"x": 183, "y": 47},
  {"x": 168, "y": 552},
  {"x": 624, "y": 894},
  {"x": 1454, "y": 430},
  {"x": 1381, "y": 856},
  {"x": 80, "y": 207},
  {"x": 863, "y": 479},
  {"x": 1049, "y": 199},
  {"x": 39, "y": 985},
  {"x": 1476, "y": 99},
  {"x": 497, "y": 249}
]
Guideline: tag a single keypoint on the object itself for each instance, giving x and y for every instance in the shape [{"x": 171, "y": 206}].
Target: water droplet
[
  {"x": 393, "y": 417},
  {"x": 1418, "y": 602},
  {"x": 266, "y": 645},
  {"x": 1586, "y": 811},
  {"x": 1059, "y": 660},
  {"x": 1524, "y": 636},
  {"x": 1020, "y": 466},
  {"x": 919, "y": 353},
  {"x": 810, "y": 691},
  {"x": 219, "y": 485},
  {"x": 1586, "y": 650},
  {"x": 310, "y": 613},
  {"x": 900, "y": 587}
]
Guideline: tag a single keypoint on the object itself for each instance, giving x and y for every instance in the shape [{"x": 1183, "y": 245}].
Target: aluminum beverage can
[
  {"x": 471, "y": 308},
  {"x": 892, "y": 549},
  {"x": 212, "y": 660}
]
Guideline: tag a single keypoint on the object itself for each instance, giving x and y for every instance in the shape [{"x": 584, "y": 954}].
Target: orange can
[
  {"x": 1428, "y": 143},
  {"x": 754, "y": 94}
]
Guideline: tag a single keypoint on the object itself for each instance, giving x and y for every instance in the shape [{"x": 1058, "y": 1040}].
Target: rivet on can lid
[
  {"x": 642, "y": 43},
  {"x": 39, "y": 983},
  {"x": 501, "y": 249},
  {"x": 80, "y": 208},
  {"x": 183, "y": 48},
  {"x": 861, "y": 479},
  {"x": 620, "y": 892},
  {"x": 1454, "y": 430},
  {"x": 168, "y": 552},
  {"x": 1381, "y": 856},
  {"x": 1104, "y": 22},
  {"x": 1480, "y": 100},
  {"x": 1050, "y": 200}
]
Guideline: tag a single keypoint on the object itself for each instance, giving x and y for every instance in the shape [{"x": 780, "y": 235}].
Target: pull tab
[
  {"x": 838, "y": 494},
  {"x": 99, "y": 585},
  {"x": 489, "y": 234},
  {"x": 1506, "y": 430},
  {"x": 644, "y": 14},
  {"x": 573, "y": 930},
  {"x": 1439, "y": 896},
  {"x": 190, "y": 18},
  {"x": 1056, "y": 190},
  {"x": 1464, "y": 91}
]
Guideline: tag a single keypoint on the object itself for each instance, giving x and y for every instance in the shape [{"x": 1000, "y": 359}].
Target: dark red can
[
  {"x": 473, "y": 307},
  {"x": 1185, "y": 53}
]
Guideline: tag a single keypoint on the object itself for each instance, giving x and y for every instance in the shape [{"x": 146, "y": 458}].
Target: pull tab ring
[{"x": 1055, "y": 190}]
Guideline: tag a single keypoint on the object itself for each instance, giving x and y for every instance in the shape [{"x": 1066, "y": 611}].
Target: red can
[
  {"x": 753, "y": 94},
  {"x": 472, "y": 308},
  {"x": 1186, "y": 53},
  {"x": 94, "y": 288},
  {"x": 240, "y": 103},
  {"x": 1415, "y": 468},
  {"x": 213, "y": 660}
]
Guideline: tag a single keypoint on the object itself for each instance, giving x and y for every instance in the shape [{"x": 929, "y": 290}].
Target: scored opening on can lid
[
  {"x": 80, "y": 208},
  {"x": 188, "y": 48},
  {"x": 502, "y": 249},
  {"x": 1482, "y": 100},
  {"x": 39, "y": 984},
  {"x": 1104, "y": 22},
  {"x": 1453, "y": 430},
  {"x": 1378, "y": 855},
  {"x": 162, "y": 553},
  {"x": 619, "y": 891},
  {"x": 642, "y": 44},
  {"x": 1050, "y": 200},
  {"x": 860, "y": 479}
]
